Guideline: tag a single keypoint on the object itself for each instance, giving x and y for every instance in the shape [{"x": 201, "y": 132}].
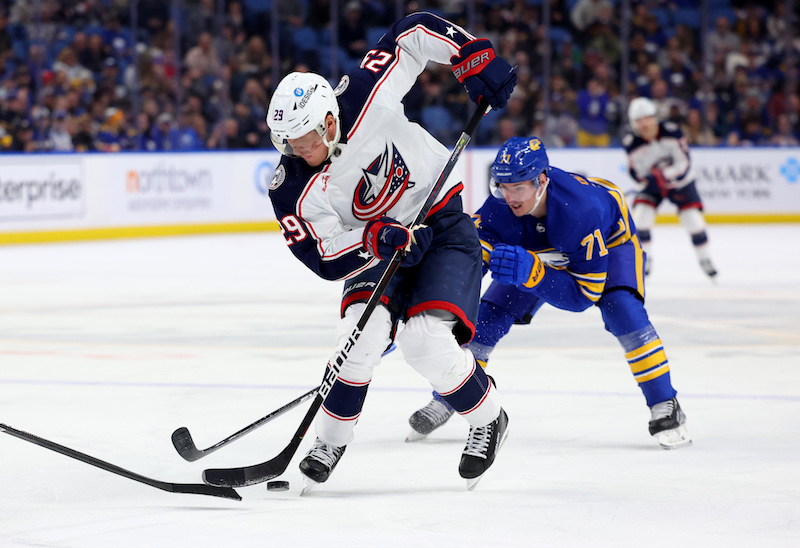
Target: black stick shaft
[
  {"x": 184, "y": 444},
  {"x": 198, "y": 489}
]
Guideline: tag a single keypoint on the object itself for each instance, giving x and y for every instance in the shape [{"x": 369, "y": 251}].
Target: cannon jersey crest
[{"x": 383, "y": 183}]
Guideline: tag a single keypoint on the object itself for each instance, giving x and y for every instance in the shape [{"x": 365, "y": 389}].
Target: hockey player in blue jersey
[
  {"x": 658, "y": 160},
  {"x": 549, "y": 236},
  {"x": 354, "y": 173}
]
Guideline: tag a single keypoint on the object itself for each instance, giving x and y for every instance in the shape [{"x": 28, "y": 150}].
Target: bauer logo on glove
[{"x": 484, "y": 74}]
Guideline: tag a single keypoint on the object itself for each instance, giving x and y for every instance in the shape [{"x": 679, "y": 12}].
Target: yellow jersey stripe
[
  {"x": 646, "y": 349},
  {"x": 654, "y": 374},
  {"x": 648, "y": 362}
]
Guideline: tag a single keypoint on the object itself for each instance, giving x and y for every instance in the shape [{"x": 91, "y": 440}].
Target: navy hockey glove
[
  {"x": 382, "y": 237},
  {"x": 514, "y": 265},
  {"x": 484, "y": 74}
]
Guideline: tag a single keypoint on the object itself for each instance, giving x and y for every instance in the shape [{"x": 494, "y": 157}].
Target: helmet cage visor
[
  {"x": 285, "y": 148},
  {"x": 514, "y": 191}
]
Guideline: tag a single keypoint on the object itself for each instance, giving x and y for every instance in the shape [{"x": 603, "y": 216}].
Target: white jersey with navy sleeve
[
  {"x": 669, "y": 152},
  {"x": 384, "y": 164}
]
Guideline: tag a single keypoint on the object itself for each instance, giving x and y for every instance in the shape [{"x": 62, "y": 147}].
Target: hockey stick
[
  {"x": 184, "y": 444},
  {"x": 196, "y": 489},
  {"x": 182, "y": 438},
  {"x": 250, "y": 475}
]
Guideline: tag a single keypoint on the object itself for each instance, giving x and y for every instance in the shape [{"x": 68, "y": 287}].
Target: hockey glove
[
  {"x": 483, "y": 74},
  {"x": 514, "y": 265},
  {"x": 382, "y": 237},
  {"x": 664, "y": 186}
]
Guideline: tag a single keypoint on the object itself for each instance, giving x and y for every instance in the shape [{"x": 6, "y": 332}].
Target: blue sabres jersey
[
  {"x": 587, "y": 240},
  {"x": 383, "y": 165}
]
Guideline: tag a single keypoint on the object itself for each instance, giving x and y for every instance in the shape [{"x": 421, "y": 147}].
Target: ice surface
[{"x": 108, "y": 347}]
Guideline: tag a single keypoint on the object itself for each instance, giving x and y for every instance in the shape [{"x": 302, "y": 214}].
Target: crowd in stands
[{"x": 75, "y": 77}]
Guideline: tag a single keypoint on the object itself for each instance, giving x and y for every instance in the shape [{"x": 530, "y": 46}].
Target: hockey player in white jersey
[
  {"x": 354, "y": 173},
  {"x": 658, "y": 160}
]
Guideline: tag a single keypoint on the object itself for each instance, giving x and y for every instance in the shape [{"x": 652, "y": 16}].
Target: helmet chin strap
[{"x": 539, "y": 195}]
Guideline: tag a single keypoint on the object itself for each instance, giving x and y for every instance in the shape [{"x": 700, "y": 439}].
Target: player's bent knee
[
  {"x": 429, "y": 346},
  {"x": 373, "y": 341},
  {"x": 623, "y": 312}
]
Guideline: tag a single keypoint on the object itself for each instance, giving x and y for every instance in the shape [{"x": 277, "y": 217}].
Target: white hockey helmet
[
  {"x": 641, "y": 107},
  {"x": 300, "y": 104}
]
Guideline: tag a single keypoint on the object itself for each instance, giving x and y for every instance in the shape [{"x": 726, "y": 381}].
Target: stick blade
[
  {"x": 251, "y": 475},
  {"x": 184, "y": 444},
  {"x": 200, "y": 489}
]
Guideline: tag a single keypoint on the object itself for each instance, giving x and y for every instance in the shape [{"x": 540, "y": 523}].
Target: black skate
[
  {"x": 319, "y": 463},
  {"x": 667, "y": 425},
  {"x": 482, "y": 446},
  {"x": 429, "y": 418},
  {"x": 708, "y": 268}
]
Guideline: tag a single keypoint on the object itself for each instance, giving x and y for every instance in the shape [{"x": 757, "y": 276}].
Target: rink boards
[{"x": 54, "y": 197}]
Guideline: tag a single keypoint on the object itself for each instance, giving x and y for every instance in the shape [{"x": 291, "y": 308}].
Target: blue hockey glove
[
  {"x": 382, "y": 237},
  {"x": 484, "y": 74},
  {"x": 514, "y": 265}
]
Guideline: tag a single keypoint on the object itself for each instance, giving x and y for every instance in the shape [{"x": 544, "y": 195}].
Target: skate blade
[
  {"x": 308, "y": 485},
  {"x": 674, "y": 439},
  {"x": 415, "y": 436},
  {"x": 473, "y": 482}
]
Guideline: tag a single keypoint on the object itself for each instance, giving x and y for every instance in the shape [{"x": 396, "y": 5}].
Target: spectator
[
  {"x": 83, "y": 138},
  {"x": 593, "y": 126},
  {"x": 186, "y": 137},
  {"x": 94, "y": 54},
  {"x": 784, "y": 136},
  {"x": 153, "y": 16},
  {"x": 696, "y": 131},
  {"x": 586, "y": 13},
  {"x": 748, "y": 133},
  {"x": 113, "y": 136},
  {"x": 199, "y": 20},
  {"x": 352, "y": 31},
  {"x": 67, "y": 62},
  {"x": 164, "y": 134},
  {"x": 60, "y": 134},
  {"x": 203, "y": 57},
  {"x": 722, "y": 41},
  {"x": 22, "y": 137},
  {"x": 5, "y": 39},
  {"x": 560, "y": 126}
]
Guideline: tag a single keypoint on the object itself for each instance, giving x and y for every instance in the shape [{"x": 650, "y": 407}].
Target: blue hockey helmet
[{"x": 519, "y": 159}]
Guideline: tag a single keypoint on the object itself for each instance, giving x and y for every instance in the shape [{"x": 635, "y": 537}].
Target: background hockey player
[
  {"x": 354, "y": 172},
  {"x": 554, "y": 237},
  {"x": 658, "y": 160}
]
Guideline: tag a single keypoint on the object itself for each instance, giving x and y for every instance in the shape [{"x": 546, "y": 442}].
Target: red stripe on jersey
[
  {"x": 321, "y": 251},
  {"x": 457, "y": 388},
  {"x": 374, "y": 91},
  {"x": 447, "y": 197},
  {"x": 337, "y": 417},
  {"x": 359, "y": 296},
  {"x": 443, "y": 305}
]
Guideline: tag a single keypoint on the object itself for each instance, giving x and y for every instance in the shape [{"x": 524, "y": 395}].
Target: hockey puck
[{"x": 277, "y": 486}]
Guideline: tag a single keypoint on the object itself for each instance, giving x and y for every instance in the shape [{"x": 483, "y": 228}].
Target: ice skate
[
  {"x": 429, "y": 418},
  {"x": 482, "y": 446},
  {"x": 667, "y": 425},
  {"x": 319, "y": 463},
  {"x": 708, "y": 268}
]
